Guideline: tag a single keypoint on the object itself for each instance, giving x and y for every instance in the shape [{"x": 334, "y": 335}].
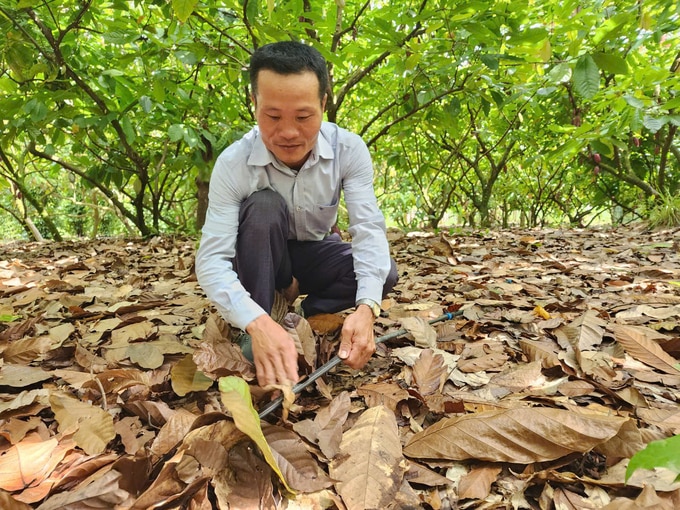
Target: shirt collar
[{"x": 260, "y": 155}]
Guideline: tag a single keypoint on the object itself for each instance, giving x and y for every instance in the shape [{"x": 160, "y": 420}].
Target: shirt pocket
[{"x": 323, "y": 217}]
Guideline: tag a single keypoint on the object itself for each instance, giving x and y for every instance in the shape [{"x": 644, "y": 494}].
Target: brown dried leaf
[
  {"x": 585, "y": 332},
  {"x": 370, "y": 467},
  {"x": 299, "y": 468},
  {"x": 545, "y": 351},
  {"x": 92, "y": 426},
  {"x": 20, "y": 376},
  {"x": 520, "y": 377},
  {"x": 423, "y": 333},
  {"x": 252, "y": 487},
  {"x": 25, "y": 350},
  {"x": 575, "y": 388},
  {"x": 429, "y": 372},
  {"x": 388, "y": 394},
  {"x": 422, "y": 475},
  {"x": 101, "y": 493},
  {"x": 24, "y": 399},
  {"x": 326, "y": 428},
  {"x": 173, "y": 431},
  {"x": 133, "y": 436},
  {"x": 326, "y": 323},
  {"x": 476, "y": 484},
  {"x": 490, "y": 361},
  {"x": 222, "y": 358},
  {"x": 638, "y": 343},
  {"x": 302, "y": 333},
  {"x": 522, "y": 435},
  {"x": 28, "y": 463},
  {"x": 666, "y": 419},
  {"x": 169, "y": 486},
  {"x": 7, "y": 502}
]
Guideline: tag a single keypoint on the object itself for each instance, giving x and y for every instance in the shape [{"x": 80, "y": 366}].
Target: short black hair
[{"x": 289, "y": 57}]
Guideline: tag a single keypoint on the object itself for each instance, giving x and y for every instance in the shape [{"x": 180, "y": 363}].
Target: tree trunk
[{"x": 202, "y": 188}]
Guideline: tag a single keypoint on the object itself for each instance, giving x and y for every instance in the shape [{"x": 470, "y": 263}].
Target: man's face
[{"x": 289, "y": 114}]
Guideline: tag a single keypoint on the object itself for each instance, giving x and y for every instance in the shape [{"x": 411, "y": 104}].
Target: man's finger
[{"x": 345, "y": 348}]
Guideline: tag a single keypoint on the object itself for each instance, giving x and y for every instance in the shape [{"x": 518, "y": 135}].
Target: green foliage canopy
[{"x": 483, "y": 112}]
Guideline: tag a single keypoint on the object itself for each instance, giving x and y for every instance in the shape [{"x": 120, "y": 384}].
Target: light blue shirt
[{"x": 340, "y": 161}]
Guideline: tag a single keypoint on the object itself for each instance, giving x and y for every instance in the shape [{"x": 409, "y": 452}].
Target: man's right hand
[{"x": 274, "y": 353}]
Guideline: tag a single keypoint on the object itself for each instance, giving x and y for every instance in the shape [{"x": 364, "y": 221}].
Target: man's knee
[{"x": 264, "y": 207}]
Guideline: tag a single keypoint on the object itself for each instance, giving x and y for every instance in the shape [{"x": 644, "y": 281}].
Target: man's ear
[{"x": 323, "y": 102}]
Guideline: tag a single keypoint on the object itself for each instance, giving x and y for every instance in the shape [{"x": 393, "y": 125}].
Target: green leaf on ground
[
  {"x": 236, "y": 398},
  {"x": 664, "y": 453}
]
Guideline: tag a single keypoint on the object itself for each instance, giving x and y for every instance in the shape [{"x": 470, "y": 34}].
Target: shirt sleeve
[
  {"x": 370, "y": 249},
  {"x": 214, "y": 267}
]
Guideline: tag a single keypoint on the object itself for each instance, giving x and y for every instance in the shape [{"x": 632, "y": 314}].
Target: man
[{"x": 273, "y": 200}]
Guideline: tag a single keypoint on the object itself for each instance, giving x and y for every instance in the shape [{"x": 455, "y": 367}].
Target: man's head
[
  {"x": 288, "y": 57},
  {"x": 289, "y": 83}
]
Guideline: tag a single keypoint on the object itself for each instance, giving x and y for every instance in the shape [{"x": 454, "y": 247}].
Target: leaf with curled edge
[
  {"x": 639, "y": 343},
  {"x": 326, "y": 429},
  {"x": 520, "y": 435},
  {"x": 302, "y": 334},
  {"x": 297, "y": 465},
  {"x": 370, "y": 467},
  {"x": 217, "y": 356}
]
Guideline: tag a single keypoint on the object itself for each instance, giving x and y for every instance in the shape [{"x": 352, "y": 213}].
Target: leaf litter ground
[{"x": 562, "y": 365}]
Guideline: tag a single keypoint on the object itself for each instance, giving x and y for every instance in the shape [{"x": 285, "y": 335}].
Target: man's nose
[{"x": 288, "y": 129}]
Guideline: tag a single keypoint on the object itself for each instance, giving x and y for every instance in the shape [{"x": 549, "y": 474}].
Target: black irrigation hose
[{"x": 335, "y": 360}]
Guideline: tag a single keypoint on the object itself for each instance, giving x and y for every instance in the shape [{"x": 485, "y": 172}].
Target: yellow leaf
[
  {"x": 236, "y": 398},
  {"x": 542, "y": 312}
]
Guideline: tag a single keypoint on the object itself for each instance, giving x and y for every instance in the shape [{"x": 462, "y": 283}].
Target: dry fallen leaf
[
  {"x": 423, "y": 333},
  {"x": 186, "y": 377},
  {"x": 639, "y": 343},
  {"x": 520, "y": 436},
  {"x": 429, "y": 372},
  {"x": 477, "y": 483},
  {"x": 326, "y": 429},
  {"x": 91, "y": 426},
  {"x": 299, "y": 468},
  {"x": 369, "y": 468}
]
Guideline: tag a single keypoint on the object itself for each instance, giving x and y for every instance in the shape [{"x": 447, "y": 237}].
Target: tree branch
[{"x": 71, "y": 168}]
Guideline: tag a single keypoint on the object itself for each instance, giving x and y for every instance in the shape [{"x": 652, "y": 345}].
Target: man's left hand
[{"x": 357, "y": 340}]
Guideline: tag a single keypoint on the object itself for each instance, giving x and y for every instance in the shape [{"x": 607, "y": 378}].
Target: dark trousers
[{"x": 267, "y": 261}]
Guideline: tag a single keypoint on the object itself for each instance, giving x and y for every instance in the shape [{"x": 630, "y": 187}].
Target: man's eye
[
  {"x": 273, "y": 117},
  {"x": 303, "y": 118}
]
